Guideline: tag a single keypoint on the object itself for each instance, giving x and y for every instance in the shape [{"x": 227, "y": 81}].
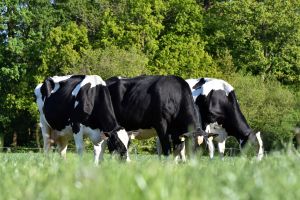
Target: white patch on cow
[
  {"x": 209, "y": 85},
  {"x": 260, "y": 143},
  {"x": 56, "y": 80},
  {"x": 123, "y": 136},
  {"x": 76, "y": 104},
  {"x": 94, "y": 80}
]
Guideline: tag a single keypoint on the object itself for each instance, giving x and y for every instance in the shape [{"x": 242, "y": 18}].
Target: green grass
[{"x": 35, "y": 176}]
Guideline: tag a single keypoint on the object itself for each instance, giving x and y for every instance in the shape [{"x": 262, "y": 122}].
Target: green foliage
[
  {"x": 262, "y": 37},
  {"x": 64, "y": 48},
  {"x": 181, "y": 47},
  {"x": 34, "y": 176}
]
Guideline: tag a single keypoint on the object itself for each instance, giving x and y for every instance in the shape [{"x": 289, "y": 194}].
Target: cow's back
[{"x": 144, "y": 101}]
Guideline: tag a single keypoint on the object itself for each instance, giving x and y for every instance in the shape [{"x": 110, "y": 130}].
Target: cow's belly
[
  {"x": 142, "y": 134},
  {"x": 95, "y": 135},
  {"x": 64, "y": 133}
]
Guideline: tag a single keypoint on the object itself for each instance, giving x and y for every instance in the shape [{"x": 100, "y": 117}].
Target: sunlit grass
[{"x": 36, "y": 176}]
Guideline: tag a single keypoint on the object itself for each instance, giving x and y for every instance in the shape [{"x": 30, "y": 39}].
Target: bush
[{"x": 113, "y": 61}]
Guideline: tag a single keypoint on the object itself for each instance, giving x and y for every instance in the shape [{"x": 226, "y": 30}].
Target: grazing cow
[
  {"x": 79, "y": 105},
  {"x": 221, "y": 114},
  {"x": 163, "y": 103}
]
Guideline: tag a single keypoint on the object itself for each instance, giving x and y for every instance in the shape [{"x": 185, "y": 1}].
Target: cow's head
[
  {"x": 118, "y": 141},
  {"x": 255, "y": 140}
]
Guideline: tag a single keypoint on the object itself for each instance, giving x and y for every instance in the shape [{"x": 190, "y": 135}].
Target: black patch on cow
[
  {"x": 162, "y": 102},
  {"x": 199, "y": 84}
]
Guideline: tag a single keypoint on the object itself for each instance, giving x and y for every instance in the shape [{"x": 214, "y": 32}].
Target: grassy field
[{"x": 35, "y": 176}]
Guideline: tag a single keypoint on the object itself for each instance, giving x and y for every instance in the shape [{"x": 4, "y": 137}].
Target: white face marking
[
  {"x": 209, "y": 85},
  {"x": 123, "y": 136},
  {"x": 94, "y": 80}
]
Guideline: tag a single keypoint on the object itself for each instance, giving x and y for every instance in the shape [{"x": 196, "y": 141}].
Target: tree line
[{"x": 253, "y": 44}]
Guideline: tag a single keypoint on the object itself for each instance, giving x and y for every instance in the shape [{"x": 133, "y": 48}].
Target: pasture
[{"x": 36, "y": 176}]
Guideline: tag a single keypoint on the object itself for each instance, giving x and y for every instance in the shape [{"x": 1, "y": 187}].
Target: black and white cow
[
  {"x": 79, "y": 105},
  {"x": 163, "y": 103},
  {"x": 221, "y": 114}
]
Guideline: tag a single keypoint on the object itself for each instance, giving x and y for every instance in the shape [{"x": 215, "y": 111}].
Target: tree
[
  {"x": 261, "y": 36},
  {"x": 64, "y": 47},
  {"x": 181, "y": 45}
]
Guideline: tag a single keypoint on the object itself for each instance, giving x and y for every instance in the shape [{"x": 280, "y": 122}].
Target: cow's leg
[
  {"x": 158, "y": 147},
  {"x": 78, "y": 137},
  {"x": 165, "y": 144},
  {"x": 99, "y": 149},
  {"x": 179, "y": 152},
  {"x": 164, "y": 138},
  {"x": 211, "y": 147},
  {"x": 221, "y": 148},
  {"x": 46, "y": 133},
  {"x": 260, "y": 153},
  {"x": 62, "y": 144}
]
